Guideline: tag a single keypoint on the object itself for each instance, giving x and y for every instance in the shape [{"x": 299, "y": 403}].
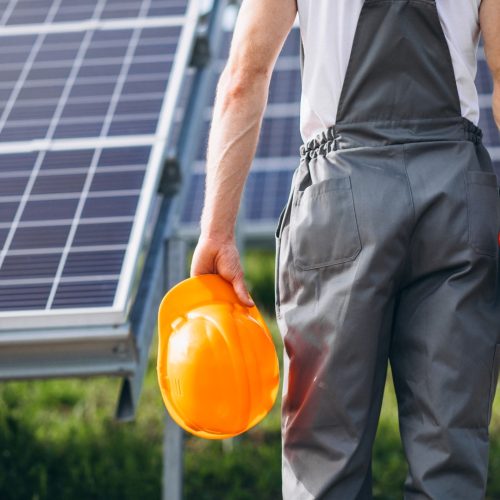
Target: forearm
[
  {"x": 489, "y": 18},
  {"x": 237, "y": 117}
]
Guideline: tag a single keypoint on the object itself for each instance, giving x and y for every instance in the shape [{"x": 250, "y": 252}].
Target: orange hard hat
[{"x": 217, "y": 365}]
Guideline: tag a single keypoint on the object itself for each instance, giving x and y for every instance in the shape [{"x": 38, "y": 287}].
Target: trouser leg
[
  {"x": 335, "y": 322},
  {"x": 332, "y": 392},
  {"x": 446, "y": 327}
]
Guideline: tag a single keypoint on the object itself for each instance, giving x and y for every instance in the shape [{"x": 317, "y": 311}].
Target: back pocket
[
  {"x": 482, "y": 207},
  {"x": 323, "y": 225}
]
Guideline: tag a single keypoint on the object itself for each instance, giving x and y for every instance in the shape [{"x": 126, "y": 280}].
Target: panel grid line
[
  {"x": 67, "y": 222},
  {"x": 97, "y": 61},
  {"x": 65, "y": 279},
  {"x": 75, "y": 249},
  {"x": 103, "y": 44},
  {"x": 92, "y": 24},
  {"x": 73, "y": 195},
  {"x": 28, "y": 103},
  {"x": 84, "y": 119},
  {"x": 70, "y": 171},
  {"x": 78, "y": 143},
  {"x": 87, "y": 80}
]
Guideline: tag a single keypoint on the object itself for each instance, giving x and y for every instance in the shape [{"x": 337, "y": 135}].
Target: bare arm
[
  {"x": 260, "y": 31},
  {"x": 489, "y": 20}
]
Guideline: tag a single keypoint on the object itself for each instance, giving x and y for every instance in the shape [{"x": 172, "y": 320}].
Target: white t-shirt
[{"x": 327, "y": 29}]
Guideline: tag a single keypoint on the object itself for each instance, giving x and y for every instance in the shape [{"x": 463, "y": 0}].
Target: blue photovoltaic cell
[
  {"x": 42, "y": 210},
  {"x": 75, "y": 130},
  {"x": 98, "y": 263},
  {"x": 54, "y": 160},
  {"x": 108, "y": 181},
  {"x": 13, "y": 186},
  {"x": 3, "y": 236},
  {"x": 85, "y": 294},
  {"x": 29, "y": 266},
  {"x": 119, "y": 206},
  {"x": 102, "y": 233},
  {"x": 484, "y": 81},
  {"x": 191, "y": 210},
  {"x": 7, "y": 211},
  {"x": 139, "y": 127},
  {"x": 23, "y": 297},
  {"x": 491, "y": 136},
  {"x": 266, "y": 194},
  {"x": 40, "y": 237},
  {"x": 117, "y": 157},
  {"x": 52, "y": 184},
  {"x": 256, "y": 194},
  {"x": 17, "y": 163},
  {"x": 285, "y": 87},
  {"x": 85, "y": 109}
]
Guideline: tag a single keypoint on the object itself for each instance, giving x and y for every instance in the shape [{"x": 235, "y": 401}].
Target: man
[{"x": 387, "y": 247}]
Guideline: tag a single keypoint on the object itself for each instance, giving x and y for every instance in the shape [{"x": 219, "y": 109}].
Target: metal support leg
[
  {"x": 172, "y": 460},
  {"x": 175, "y": 254}
]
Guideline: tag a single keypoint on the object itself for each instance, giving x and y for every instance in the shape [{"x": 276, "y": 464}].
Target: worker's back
[{"x": 327, "y": 32}]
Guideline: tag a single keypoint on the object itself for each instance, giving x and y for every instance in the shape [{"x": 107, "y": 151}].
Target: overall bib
[{"x": 387, "y": 251}]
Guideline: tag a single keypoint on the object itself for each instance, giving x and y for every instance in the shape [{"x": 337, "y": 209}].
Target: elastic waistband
[{"x": 384, "y": 133}]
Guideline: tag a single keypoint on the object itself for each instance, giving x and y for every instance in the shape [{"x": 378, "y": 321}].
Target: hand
[{"x": 221, "y": 257}]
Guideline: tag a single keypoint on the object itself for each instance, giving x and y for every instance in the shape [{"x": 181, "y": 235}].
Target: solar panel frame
[{"x": 117, "y": 313}]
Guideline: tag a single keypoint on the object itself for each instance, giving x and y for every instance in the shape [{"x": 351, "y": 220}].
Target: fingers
[
  {"x": 241, "y": 290},
  {"x": 228, "y": 265},
  {"x": 213, "y": 257}
]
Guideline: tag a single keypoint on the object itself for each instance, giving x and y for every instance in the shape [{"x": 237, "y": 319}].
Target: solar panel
[
  {"x": 88, "y": 92},
  {"x": 277, "y": 153}
]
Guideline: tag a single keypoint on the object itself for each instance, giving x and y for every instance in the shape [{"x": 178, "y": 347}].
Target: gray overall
[{"x": 387, "y": 250}]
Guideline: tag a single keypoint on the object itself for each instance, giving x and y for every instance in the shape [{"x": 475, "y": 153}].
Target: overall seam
[
  {"x": 409, "y": 185},
  {"x": 407, "y": 259}
]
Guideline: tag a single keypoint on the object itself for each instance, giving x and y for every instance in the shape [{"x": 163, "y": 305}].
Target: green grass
[{"x": 58, "y": 439}]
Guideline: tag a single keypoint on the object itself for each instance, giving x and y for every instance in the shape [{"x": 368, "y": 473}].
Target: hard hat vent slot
[{"x": 177, "y": 386}]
